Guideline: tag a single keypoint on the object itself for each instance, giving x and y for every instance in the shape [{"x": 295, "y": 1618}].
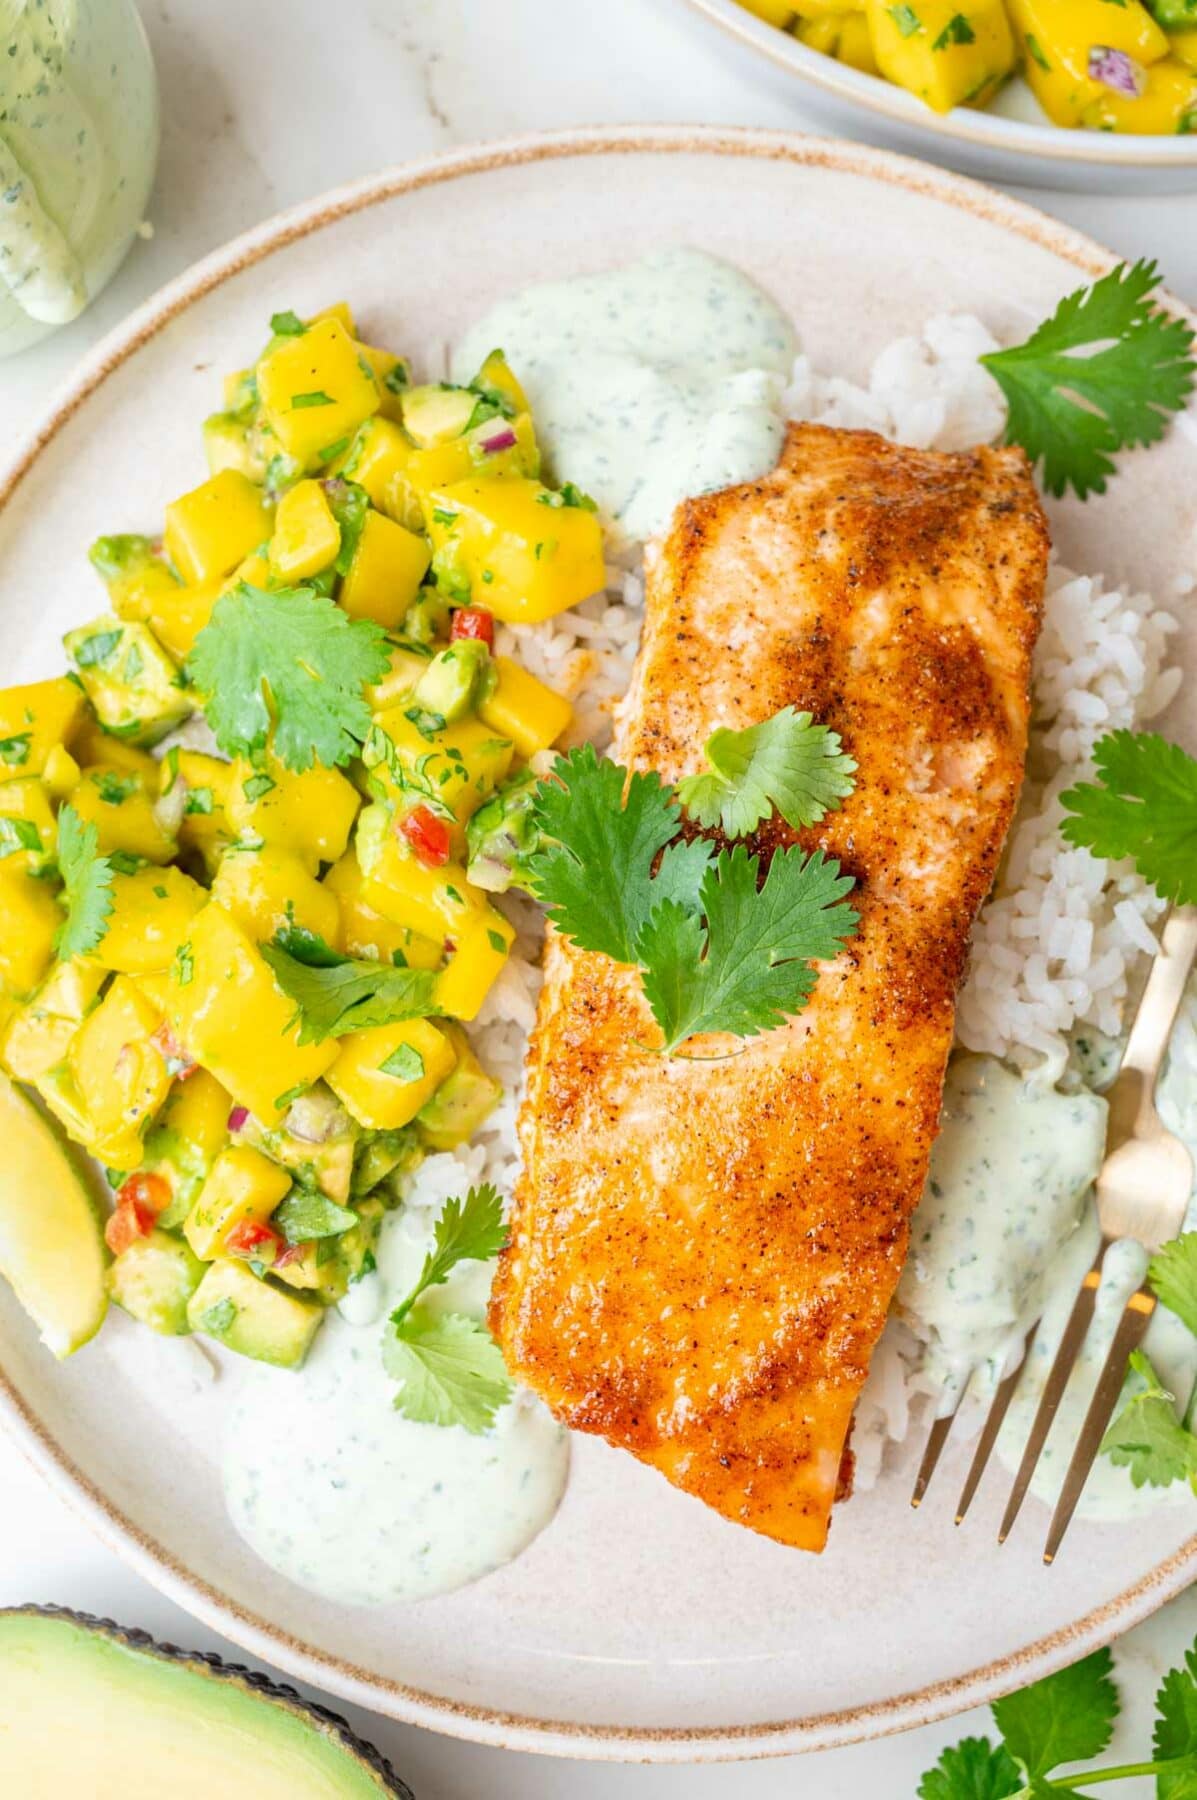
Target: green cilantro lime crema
[
  {"x": 648, "y": 383},
  {"x": 77, "y": 153}
]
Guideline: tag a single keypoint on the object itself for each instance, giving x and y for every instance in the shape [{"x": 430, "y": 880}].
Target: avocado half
[{"x": 84, "y": 1703}]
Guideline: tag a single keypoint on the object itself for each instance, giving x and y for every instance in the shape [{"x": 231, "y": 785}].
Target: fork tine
[
  {"x": 937, "y": 1437},
  {"x": 1134, "y": 1323},
  {"x": 998, "y": 1408},
  {"x": 1053, "y": 1390}
]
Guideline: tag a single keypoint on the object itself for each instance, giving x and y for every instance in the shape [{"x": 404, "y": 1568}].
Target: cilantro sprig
[
  {"x": 287, "y": 667},
  {"x": 787, "y": 762},
  {"x": 87, "y": 886},
  {"x": 1146, "y": 1437},
  {"x": 1069, "y": 1718},
  {"x": 449, "y": 1367},
  {"x": 1144, "y": 805},
  {"x": 721, "y": 945},
  {"x": 335, "y": 994},
  {"x": 1102, "y": 374}
]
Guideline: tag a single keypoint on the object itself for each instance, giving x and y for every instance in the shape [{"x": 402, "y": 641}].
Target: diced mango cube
[
  {"x": 524, "y": 709},
  {"x": 408, "y": 663},
  {"x": 393, "y": 375},
  {"x": 377, "y": 460},
  {"x": 949, "y": 54},
  {"x": 61, "y": 772},
  {"x": 212, "y": 528},
  {"x": 177, "y": 617},
  {"x": 121, "y": 1077},
  {"x": 389, "y": 563},
  {"x": 204, "y": 782},
  {"x": 309, "y": 812},
  {"x": 34, "y": 720},
  {"x": 123, "y": 812},
  {"x": 28, "y": 835},
  {"x": 134, "y": 686},
  {"x": 523, "y": 553},
  {"x": 438, "y": 903},
  {"x": 243, "y": 1187},
  {"x": 384, "y": 1075},
  {"x": 29, "y": 918},
  {"x": 228, "y": 1011},
  {"x": 306, "y": 535},
  {"x": 152, "y": 911},
  {"x": 268, "y": 889},
  {"x": 1167, "y": 104},
  {"x": 133, "y": 572},
  {"x": 316, "y": 389},
  {"x": 1057, "y": 37},
  {"x": 364, "y": 932},
  {"x": 39, "y": 1033},
  {"x": 482, "y": 948},
  {"x": 457, "y": 768}
]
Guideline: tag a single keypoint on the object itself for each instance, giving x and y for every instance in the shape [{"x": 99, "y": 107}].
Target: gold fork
[{"x": 1143, "y": 1191}]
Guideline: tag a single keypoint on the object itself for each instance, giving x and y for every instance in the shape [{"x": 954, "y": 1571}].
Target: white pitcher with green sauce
[{"x": 78, "y": 146}]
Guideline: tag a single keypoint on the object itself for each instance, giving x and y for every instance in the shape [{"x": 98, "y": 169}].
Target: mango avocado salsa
[
  {"x": 244, "y": 911},
  {"x": 1102, "y": 65}
]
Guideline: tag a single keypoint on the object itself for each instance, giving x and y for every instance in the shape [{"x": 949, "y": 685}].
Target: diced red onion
[
  {"x": 238, "y": 1117},
  {"x": 1116, "y": 70},
  {"x": 502, "y": 440}
]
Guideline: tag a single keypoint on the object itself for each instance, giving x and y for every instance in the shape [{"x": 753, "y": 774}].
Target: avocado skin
[{"x": 208, "y": 1665}]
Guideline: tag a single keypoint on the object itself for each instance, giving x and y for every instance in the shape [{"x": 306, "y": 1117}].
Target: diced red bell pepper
[
  {"x": 128, "y": 1223},
  {"x": 474, "y": 622},
  {"x": 145, "y": 1189},
  {"x": 253, "y": 1239},
  {"x": 428, "y": 836}
]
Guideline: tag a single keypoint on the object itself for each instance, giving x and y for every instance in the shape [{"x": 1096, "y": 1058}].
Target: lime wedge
[{"x": 51, "y": 1235}]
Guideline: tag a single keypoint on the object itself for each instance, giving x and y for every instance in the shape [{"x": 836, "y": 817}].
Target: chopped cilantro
[
  {"x": 404, "y": 1063},
  {"x": 87, "y": 886},
  {"x": 335, "y": 994},
  {"x": 956, "y": 31},
  {"x": 317, "y": 397},
  {"x": 287, "y": 324}
]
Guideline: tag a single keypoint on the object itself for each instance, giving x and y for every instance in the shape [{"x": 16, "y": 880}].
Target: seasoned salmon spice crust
[{"x": 703, "y": 1252}]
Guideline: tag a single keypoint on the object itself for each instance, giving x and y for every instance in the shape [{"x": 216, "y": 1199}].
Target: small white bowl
[{"x": 1010, "y": 141}]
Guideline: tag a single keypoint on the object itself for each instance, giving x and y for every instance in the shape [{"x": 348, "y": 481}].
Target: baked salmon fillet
[{"x": 702, "y": 1253}]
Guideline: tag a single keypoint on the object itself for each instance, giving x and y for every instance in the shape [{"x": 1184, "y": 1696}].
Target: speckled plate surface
[{"x": 639, "y": 1625}]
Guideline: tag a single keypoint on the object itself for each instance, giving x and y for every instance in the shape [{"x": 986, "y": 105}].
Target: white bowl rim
[
  {"x": 982, "y": 129},
  {"x": 152, "y": 1560}
]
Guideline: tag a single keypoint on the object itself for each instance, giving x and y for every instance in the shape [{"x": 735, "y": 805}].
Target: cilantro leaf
[
  {"x": 304, "y": 1214},
  {"x": 1145, "y": 807},
  {"x": 601, "y": 829},
  {"x": 87, "y": 886},
  {"x": 469, "y": 1230},
  {"x": 1172, "y": 1273},
  {"x": 337, "y": 994},
  {"x": 1101, "y": 374},
  {"x": 1175, "y": 1737},
  {"x": 288, "y": 666},
  {"x": 1066, "y": 1717},
  {"x": 450, "y": 1369},
  {"x": 972, "y": 1770},
  {"x": 785, "y": 762},
  {"x": 751, "y": 968},
  {"x": 1146, "y": 1438}
]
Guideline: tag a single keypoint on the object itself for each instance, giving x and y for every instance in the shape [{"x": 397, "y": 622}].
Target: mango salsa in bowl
[{"x": 248, "y": 845}]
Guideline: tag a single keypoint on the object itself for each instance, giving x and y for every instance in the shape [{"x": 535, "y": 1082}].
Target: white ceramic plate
[
  {"x": 1011, "y": 141},
  {"x": 639, "y": 1625}
]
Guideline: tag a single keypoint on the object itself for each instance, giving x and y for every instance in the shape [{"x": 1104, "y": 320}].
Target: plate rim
[
  {"x": 152, "y": 1560},
  {"x": 981, "y": 129}
]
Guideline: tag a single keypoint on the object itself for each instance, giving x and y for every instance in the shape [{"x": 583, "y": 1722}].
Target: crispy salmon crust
[{"x": 703, "y": 1252}]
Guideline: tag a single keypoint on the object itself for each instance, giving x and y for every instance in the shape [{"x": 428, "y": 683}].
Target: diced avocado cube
[
  {"x": 154, "y": 1279},
  {"x": 502, "y": 836},
  {"x": 254, "y": 1317},
  {"x": 496, "y": 381},
  {"x": 232, "y": 443},
  {"x": 464, "y": 1100},
  {"x": 382, "y": 1154},
  {"x": 447, "y": 689},
  {"x": 427, "y": 618},
  {"x": 28, "y": 835},
  {"x": 306, "y": 535},
  {"x": 133, "y": 573},
  {"x": 408, "y": 662},
  {"x": 433, "y": 414},
  {"x": 133, "y": 684},
  {"x": 185, "y": 1140},
  {"x": 316, "y": 1140},
  {"x": 328, "y": 1267}
]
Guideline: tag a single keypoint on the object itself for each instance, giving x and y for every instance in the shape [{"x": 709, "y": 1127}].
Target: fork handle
[{"x": 1154, "y": 1020}]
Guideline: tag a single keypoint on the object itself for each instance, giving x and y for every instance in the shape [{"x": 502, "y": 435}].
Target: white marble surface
[{"x": 264, "y": 104}]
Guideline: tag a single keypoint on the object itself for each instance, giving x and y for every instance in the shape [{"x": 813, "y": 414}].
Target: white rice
[{"x": 1061, "y": 942}]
